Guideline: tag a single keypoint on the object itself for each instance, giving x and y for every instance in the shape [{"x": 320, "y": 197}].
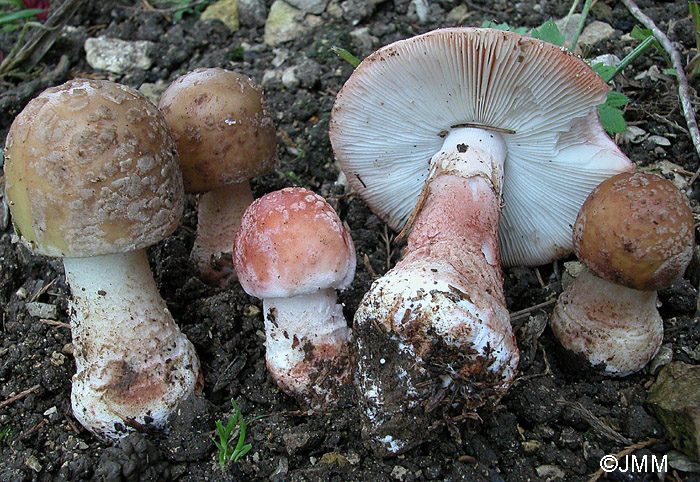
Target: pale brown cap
[
  {"x": 91, "y": 169},
  {"x": 291, "y": 242},
  {"x": 222, "y": 127},
  {"x": 636, "y": 230}
]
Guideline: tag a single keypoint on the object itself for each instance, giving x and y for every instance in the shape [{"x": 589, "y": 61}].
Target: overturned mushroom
[
  {"x": 436, "y": 133},
  {"x": 293, "y": 251},
  {"x": 225, "y": 137},
  {"x": 91, "y": 176},
  {"x": 634, "y": 234}
]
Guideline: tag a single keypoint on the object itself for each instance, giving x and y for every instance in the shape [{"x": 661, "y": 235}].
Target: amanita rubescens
[
  {"x": 92, "y": 176},
  {"x": 293, "y": 251},
  {"x": 634, "y": 234}
]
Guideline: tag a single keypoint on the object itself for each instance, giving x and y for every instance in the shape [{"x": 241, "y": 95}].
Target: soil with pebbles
[{"x": 547, "y": 427}]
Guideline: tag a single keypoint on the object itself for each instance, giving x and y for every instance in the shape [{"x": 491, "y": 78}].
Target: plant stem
[
  {"x": 581, "y": 23},
  {"x": 629, "y": 58}
]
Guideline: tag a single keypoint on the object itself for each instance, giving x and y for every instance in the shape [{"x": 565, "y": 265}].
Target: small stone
[
  {"x": 310, "y": 6},
  {"x": 675, "y": 400},
  {"x": 67, "y": 349},
  {"x": 399, "y": 472},
  {"x": 300, "y": 439},
  {"x": 42, "y": 310},
  {"x": 531, "y": 446},
  {"x": 662, "y": 358},
  {"x": 83, "y": 446},
  {"x": 118, "y": 56},
  {"x": 283, "y": 23},
  {"x": 660, "y": 141},
  {"x": 550, "y": 472},
  {"x": 22, "y": 293},
  {"x": 225, "y": 11},
  {"x": 57, "y": 359},
  {"x": 596, "y": 32},
  {"x": 610, "y": 60},
  {"x": 571, "y": 272},
  {"x": 634, "y": 135},
  {"x": 252, "y": 13},
  {"x": 252, "y": 310},
  {"x": 4, "y": 214},
  {"x": 673, "y": 172},
  {"x": 50, "y": 411},
  {"x": 681, "y": 462},
  {"x": 334, "y": 458},
  {"x": 153, "y": 91},
  {"x": 33, "y": 463},
  {"x": 289, "y": 77}
]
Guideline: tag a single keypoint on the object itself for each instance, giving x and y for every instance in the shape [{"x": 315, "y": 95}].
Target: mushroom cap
[
  {"x": 91, "y": 169},
  {"x": 222, "y": 127},
  {"x": 393, "y": 112},
  {"x": 636, "y": 230},
  {"x": 291, "y": 242}
]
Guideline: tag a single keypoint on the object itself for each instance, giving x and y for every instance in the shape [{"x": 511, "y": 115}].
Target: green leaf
[
  {"x": 605, "y": 71},
  {"x": 644, "y": 33},
  {"x": 21, "y": 15},
  {"x": 616, "y": 99},
  {"x": 612, "y": 119},
  {"x": 672, "y": 72},
  {"x": 347, "y": 56},
  {"x": 549, "y": 32}
]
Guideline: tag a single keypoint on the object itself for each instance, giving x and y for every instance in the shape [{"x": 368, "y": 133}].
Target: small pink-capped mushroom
[
  {"x": 294, "y": 252},
  {"x": 92, "y": 176},
  {"x": 225, "y": 136},
  {"x": 634, "y": 234},
  {"x": 483, "y": 144}
]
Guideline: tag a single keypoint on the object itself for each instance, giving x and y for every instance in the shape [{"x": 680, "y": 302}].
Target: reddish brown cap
[
  {"x": 222, "y": 127},
  {"x": 635, "y": 229},
  {"x": 91, "y": 169},
  {"x": 291, "y": 242}
]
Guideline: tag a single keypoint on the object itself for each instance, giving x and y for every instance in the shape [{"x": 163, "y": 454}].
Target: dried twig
[
  {"x": 597, "y": 425},
  {"x": 677, "y": 64},
  {"x": 60, "y": 324},
  {"x": 625, "y": 452},
  {"x": 526, "y": 312},
  {"x": 19, "y": 396},
  {"x": 32, "y": 52}
]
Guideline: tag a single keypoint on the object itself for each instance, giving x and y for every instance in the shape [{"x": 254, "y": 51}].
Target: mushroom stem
[
  {"x": 436, "y": 326},
  {"x": 133, "y": 365},
  {"x": 219, "y": 216},
  {"x": 614, "y": 328},
  {"x": 308, "y": 345}
]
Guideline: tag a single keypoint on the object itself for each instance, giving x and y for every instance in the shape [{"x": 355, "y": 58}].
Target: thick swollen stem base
[
  {"x": 133, "y": 365},
  {"x": 308, "y": 347},
  {"x": 614, "y": 329},
  {"x": 219, "y": 214},
  {"x": 434, "y": 332}
]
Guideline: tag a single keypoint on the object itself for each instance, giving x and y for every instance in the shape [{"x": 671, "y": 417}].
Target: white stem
[
  {"x": 133, "y": 365},
  {"x": 307, "y": 345},
  {"x": 436, "y": 326},
  {"x": 614, "y": 328},
  {"x": 469, "y": 152},
  {"x": 219, "y": 214}
]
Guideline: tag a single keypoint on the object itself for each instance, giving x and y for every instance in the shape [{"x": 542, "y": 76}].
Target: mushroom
[
  {"x": 436, "y": 133},
  {"x": 634, "y": 234},
  {"x": 91, "y": 176},
  {"x": 225, "y": 137},
  {"x": 293, "y": 251}
]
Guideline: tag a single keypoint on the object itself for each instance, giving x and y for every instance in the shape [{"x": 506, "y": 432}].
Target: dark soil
[{"x": 548, "y": 426}]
